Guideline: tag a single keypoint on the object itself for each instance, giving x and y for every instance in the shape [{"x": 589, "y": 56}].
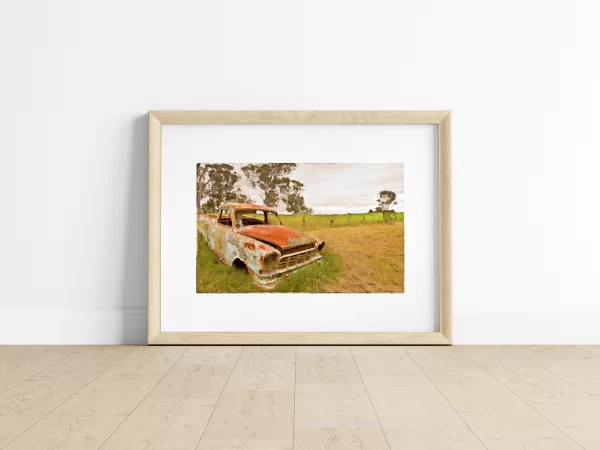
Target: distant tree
[
  {"x": 215, "y": 185},
  {"x": 271, "y": 180},
  {"x": 385, "y": 199},
  {"x": 201, "y": 183},
  {"x": 273, "y": 183},
  {"x": 293, "y": 199},
  {"x": 370, "y": 211}
]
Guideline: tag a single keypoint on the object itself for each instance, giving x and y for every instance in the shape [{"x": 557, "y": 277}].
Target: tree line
[{"x": 216, "y": 184}]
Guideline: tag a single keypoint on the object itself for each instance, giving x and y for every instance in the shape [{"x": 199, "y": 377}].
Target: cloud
[{"x": 339, "y": 188}]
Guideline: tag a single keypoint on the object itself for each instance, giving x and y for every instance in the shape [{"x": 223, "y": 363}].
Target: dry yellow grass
[{"x": 371, "y": 256}]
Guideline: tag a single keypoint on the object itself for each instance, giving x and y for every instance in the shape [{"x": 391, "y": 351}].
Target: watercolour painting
[{"x": 300, "y": 227}]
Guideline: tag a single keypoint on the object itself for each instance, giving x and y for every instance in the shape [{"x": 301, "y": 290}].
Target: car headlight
[{"x": 270, "y": 262}]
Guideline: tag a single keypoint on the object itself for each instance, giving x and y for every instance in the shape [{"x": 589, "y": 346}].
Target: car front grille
[{"x": 294, "y": 260}]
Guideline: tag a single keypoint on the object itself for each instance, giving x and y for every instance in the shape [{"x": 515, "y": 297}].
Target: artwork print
[{"x": 299, "y": 227}]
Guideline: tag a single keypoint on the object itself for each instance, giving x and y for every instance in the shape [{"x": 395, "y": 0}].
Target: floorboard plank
[
  {"x": 407, "y": 404},
  {"x": 573, "y": 411},
  {"x": 578, "y": 371},
  {"x": 255, "y": 410},
  {"x": 87, "y": 419},
  {"x": 333, "y": 409},
  {"x": 498, "y": 417},
  {"x": 176, "y": 411},
  {"x": 19, "y": 366},
  {"x": 25, "y": 404},
  {"x": 591, "y": 352},
  {"x": 8, "y": 350}
]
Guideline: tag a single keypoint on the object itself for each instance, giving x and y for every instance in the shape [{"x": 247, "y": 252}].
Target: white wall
[{"x": 77, "y": 78}]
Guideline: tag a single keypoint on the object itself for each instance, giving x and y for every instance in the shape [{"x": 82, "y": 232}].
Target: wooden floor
[{"x": 313, "y": 398}]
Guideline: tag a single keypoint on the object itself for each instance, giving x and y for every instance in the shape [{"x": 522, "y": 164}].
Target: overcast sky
[{"x": 341, "y": 188}]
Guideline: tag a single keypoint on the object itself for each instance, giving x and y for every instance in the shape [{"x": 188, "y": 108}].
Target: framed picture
[{"x": 299, "y": 227}]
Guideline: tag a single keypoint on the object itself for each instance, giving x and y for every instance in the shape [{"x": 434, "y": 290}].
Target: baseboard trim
[
  {"x": 78, "y": 325},
  {"x": 129, "y": 325}
]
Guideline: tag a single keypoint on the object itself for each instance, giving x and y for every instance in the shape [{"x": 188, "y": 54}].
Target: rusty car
[{"x": 254, "y": 237}]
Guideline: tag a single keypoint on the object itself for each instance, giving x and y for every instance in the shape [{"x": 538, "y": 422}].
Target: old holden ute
[{"x": 253, "y": 236}]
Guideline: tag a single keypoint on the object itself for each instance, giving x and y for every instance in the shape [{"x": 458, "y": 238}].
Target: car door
[{"x": 222, "y": 230}]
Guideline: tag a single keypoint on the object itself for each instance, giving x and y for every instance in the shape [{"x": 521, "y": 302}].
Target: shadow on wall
[{"x": 134, "y": 326}]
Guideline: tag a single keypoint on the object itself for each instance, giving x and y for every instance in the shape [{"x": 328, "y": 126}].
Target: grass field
[
  {"x": 363, "y": 253},
  {"x": 316, "y": 221}
]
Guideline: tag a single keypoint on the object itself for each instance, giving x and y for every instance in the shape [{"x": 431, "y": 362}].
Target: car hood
[{"x": 277, "y": 235}]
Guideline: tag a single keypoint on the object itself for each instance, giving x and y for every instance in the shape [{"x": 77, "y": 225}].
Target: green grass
[
  {"x": 214, "y": 276},
  {"x": 314, "y": 221}
]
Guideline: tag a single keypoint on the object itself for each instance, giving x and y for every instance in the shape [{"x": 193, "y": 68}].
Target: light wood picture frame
[{"x": 442, "y": 119}]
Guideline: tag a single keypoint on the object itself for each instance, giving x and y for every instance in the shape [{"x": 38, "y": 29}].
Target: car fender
[{"x": 250, "y": 251}]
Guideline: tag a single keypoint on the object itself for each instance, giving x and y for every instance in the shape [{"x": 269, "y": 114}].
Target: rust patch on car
[
  {"x": 278, "y": 235},
  {"x": 247, "y": 206}
]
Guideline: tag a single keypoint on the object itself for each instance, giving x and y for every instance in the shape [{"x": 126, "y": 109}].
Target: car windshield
[{"x": 245, "y": 218}]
